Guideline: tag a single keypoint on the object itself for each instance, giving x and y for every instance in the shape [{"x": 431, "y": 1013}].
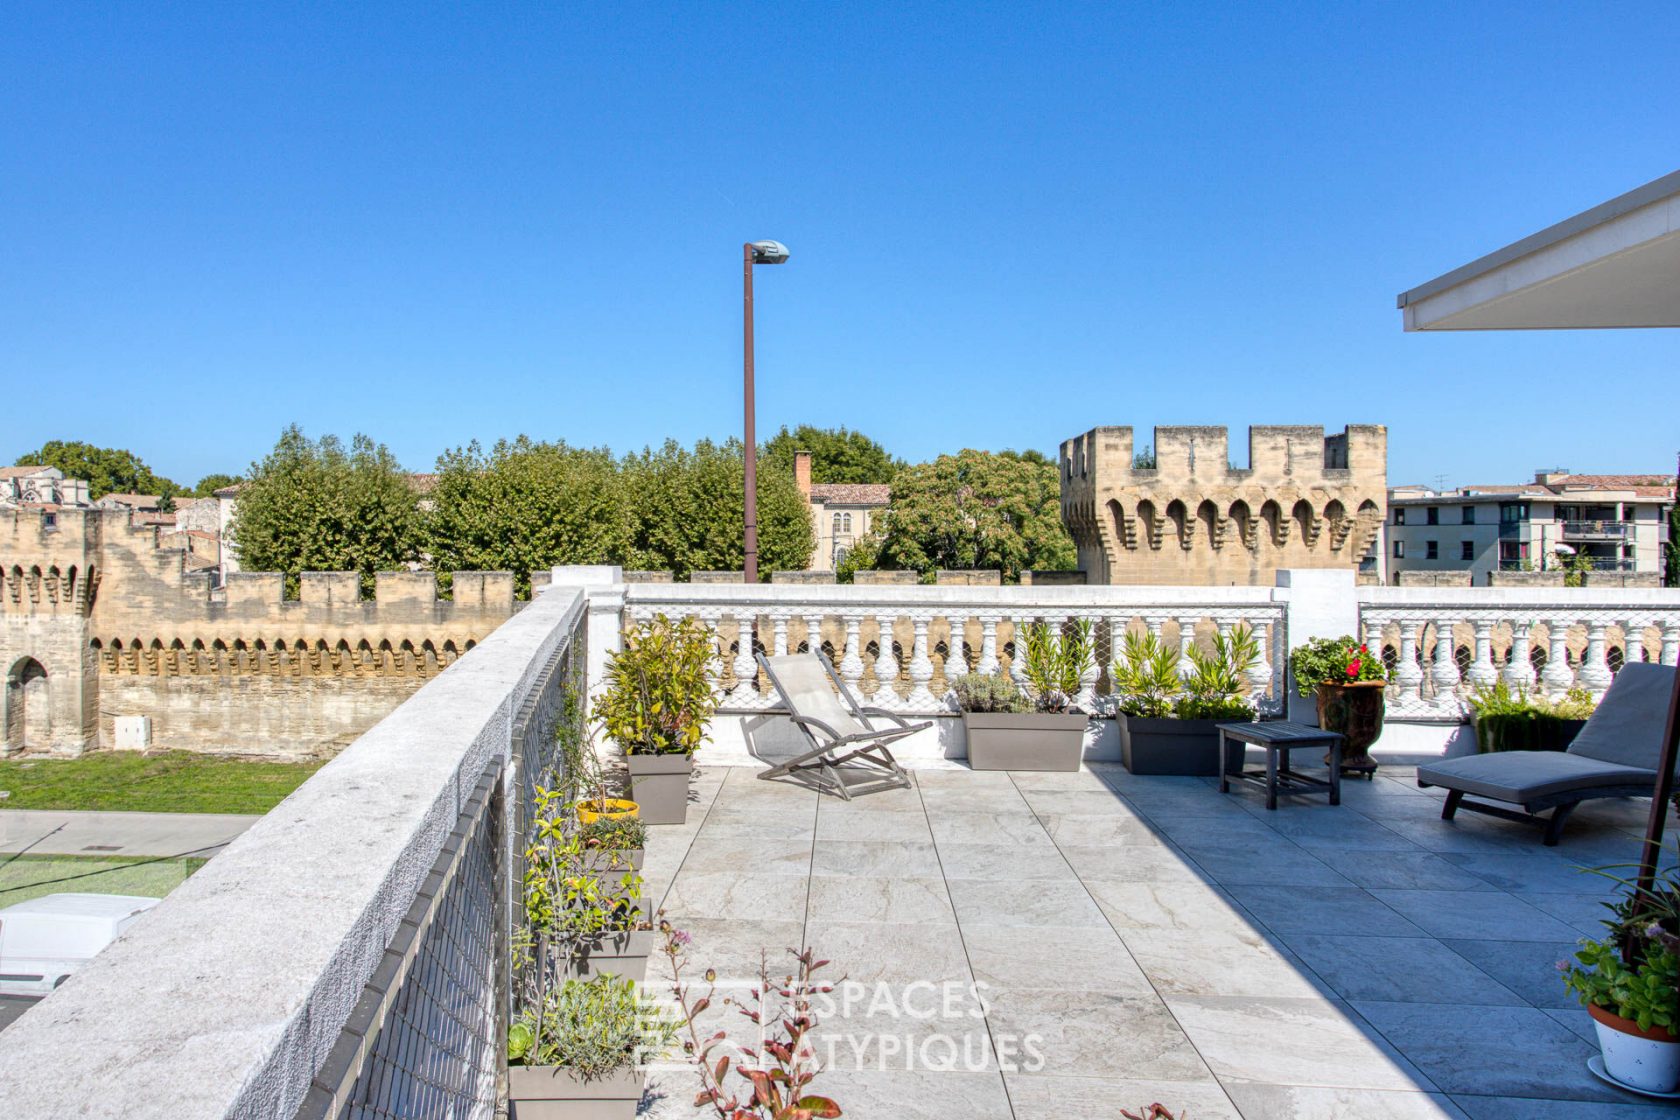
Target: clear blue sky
[{"x": 1009, "y": 223}]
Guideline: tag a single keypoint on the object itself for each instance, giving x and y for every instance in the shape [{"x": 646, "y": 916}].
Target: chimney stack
[{"x": 802, "y": 474}]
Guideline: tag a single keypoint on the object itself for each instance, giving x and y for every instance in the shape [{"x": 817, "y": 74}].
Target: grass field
[
  {"x": 28, "y": 877},
  {"x": 176, "y": 782}
]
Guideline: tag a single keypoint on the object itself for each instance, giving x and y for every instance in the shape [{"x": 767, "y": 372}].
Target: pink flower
[{"x": 1353, "y": 669}]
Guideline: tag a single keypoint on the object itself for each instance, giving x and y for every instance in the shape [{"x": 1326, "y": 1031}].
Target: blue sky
[{"x": 1009, "y": 223}]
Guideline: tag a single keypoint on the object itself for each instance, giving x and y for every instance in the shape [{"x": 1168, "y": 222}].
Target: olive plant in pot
[
  {"x": 578, "y": 1051},
  {"x": 1348, "y": 681},
  {"x": 1042, "y": 728},
  {"x": 657, "y": 705},
  {"x": 1168, "y": 720}
]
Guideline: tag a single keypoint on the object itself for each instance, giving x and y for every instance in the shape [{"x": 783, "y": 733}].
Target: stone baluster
[
  {"x": 1443, "y": 673},
  {"x": 1260, "y": 673},
  {"x": 1557, "y": 676},
  {"x": 1018, "y": 659},
  {"x": 746, "y": 667},
  {"x": 1633, "y": 642},
  {"x": 1671, "y": 642},
  {"x": 1483, "y": 671},
  {"x": 779, "y": 644},
  {"x": 813, "y": 632},
  {"x": 956, "y": 648},
  {"x": 921, "y": 667},
  {"x": 851, "y": 665},
  {"x": 886, "y": 664},
  {"x": 988, "y": 645},
  {"x": 1186, "y": 640},
  {"x": 1088, "y": 676},
  {"x": 1408, "y": 675},
  {"x": 1519, "y": 670},
  {"x": 1595, "y": 670}
]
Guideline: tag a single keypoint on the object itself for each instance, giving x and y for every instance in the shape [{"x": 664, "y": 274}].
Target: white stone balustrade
[
  {"x": 976, "y": 625},
  {"x": 1581, "y": 634}
]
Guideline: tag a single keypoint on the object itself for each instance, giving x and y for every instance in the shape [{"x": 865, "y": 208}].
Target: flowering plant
[{"x": 1334, "y": 661}]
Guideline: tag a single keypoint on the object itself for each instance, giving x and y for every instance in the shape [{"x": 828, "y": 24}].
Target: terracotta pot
[
  {"x": 555, "y": 1093},
  {"x": 1356, "y": 712},
  {"x": 1642, "y": 1059},
  {"x": 1024, "y": 740}
]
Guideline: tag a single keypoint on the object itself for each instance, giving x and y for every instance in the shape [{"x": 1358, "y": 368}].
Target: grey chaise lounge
[
  {"x": 1614, "y": 755},
  {"x": 836, "y": 727}
]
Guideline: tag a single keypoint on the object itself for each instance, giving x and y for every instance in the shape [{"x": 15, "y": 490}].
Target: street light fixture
[{"x": 753, "y": 252}]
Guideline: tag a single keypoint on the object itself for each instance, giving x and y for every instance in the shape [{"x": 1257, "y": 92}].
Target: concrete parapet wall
[
  {"x": 1521, "y": 579},
  {"x": 650, "y": 577},
  {"x": 884, "y": 577},
  {"x": 717, "y": 577},
  {"x": 969, "y": 577},
  {"x": 1455, "y": 578},
  {"x": 812, "y": 576},
  {"x": 1052, "y": 579}
]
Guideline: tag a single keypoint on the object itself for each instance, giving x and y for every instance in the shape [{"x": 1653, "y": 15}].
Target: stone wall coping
[
  {"x": 977, "y": 596},
  {"x": 225, "y": 999},
  {"x": 1540, "y": 599}
]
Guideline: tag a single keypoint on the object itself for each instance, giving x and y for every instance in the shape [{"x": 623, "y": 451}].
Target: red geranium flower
[
  {"x": 1364, "y": 649},
  {"x": 1353, "y": 669}
]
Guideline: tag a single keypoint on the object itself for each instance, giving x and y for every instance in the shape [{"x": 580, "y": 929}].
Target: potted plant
[
  {"x": 1515, "y": 721},
  {"x": 612, "y": 843},
  {"x": 657, "y": 704},
  {"x": 1168, "y": 720},
  {"x": 1348, "y": 681},
  {"x": 1039, "y": 730},
  {"x": 578, "y": 1051},
  {"x": 576, "y": 771}
]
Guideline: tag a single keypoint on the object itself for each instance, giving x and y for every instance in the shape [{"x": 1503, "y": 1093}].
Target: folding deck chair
[
  {"x": 836, "y": 727},
  {"x": 1615, "y": 755}
]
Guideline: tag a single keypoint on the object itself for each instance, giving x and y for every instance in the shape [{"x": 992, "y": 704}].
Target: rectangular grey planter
[
  {"x": 1182, "y": 747},
  {"x": 610, "y": 871},
  {"x": 659, "y": 785},
  {"x": 625, "y": 955},
  {"x": 1024, "y": 740},
  {"x": 555, "y": 1093}
]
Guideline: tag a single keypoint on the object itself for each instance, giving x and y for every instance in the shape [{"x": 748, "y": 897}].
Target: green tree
[
  {"x": 975, "y": 509},
  {"x": 524, "y": 507},
  {"x": 108, "y": 470},
  {"x": 1673, "y": 578},
  {"x": 210, "y": 483},
  {"x": 837, "y": 455},
  {"x": 315, "y": 506},
  {"x": 687, "y": 511}
]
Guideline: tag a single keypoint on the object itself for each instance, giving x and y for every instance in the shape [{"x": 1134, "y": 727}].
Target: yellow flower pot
[{"x": 607, "y": 809}]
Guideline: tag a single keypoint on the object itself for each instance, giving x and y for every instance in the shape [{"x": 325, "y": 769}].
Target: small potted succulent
[
  {"x": 1348, "y": 681},
  {"x": 579, "y": 1051},
  {"x": 1507, "y": 720},
  {"x": 1040, "y": 729},
  {"x": 1168, "y": 720},
  {"x": 657, "y": 705},
  {"x": 1629, "y": 982}
]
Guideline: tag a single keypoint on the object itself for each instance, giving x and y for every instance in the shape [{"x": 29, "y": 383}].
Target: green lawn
[
  {"x": 28, "y": 877},
  {"x": 176, "y": 782}
]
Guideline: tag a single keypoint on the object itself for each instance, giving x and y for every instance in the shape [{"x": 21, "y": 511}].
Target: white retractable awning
[{"x": 1616, "y": 265}]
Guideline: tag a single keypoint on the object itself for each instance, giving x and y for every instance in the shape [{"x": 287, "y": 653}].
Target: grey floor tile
[
  {"x": 960, "y": 826},
  {"x": 727, "y": 894},
  {"x": 1261, "y": 865},
  {"x": 1098, "y": 800},
  {"x": 1076, "y": 1033},
  {"x": 731, "y": 946},
  {"x": 711, "y": 852},
  {"x": 1528, "y": 968},
  {"x": 880, "y": 898},
  {"x": 1311, "y": 1102},
  {"x": 1292, "y": 1042},
  {"x": 1003, "y": 861},
  {"x": 1307, "y": 909},
  {"x": 1399, "y": 969},
  {"x": 1092, "y": 829},
  {"x": 882, "y": 1033},
  {"x": 1491, "y": 915},
  {"x": 893, "y": 825},
  {"x": 1025, "y": 780},
  {"x": 1206, "y": 963},
  {"x": 875, "y": 953},
  {"x": 1530, "y": 871},
  {"x": 1408, "y": 870},
  {"x": 1585, "y": 912},
  {"x": 1338, "y": 831},
  {"x": 1498, "y": 1051},
  {"x": 1059, "y": 1098},
  {"x": 1521, "y": 1108},
  {"x": 1577, "y": 1020},
  {"x": 1176, "y": 905},
  {"x": 986, "y": 902},
  {"x": 899, "y": 1094},
  {"x": 1080, "y": 958},
  {"x": 875, "y": 857},
  {"x": 757, "y": 823},
  {"x": 1143, "y": 863}
]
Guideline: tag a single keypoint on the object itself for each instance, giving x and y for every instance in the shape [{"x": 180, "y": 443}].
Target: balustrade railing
[
  {"x": 900, "y": 647},
  {"x": 1444, "y": 644}
]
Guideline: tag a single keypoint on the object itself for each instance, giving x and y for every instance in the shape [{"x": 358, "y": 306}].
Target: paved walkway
[
  {"x": 65, "y": 833},
  {"x": 1156, "y": 941}
]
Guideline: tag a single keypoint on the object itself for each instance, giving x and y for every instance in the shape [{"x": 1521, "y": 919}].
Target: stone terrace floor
[{"x": 1162, "y": 942}]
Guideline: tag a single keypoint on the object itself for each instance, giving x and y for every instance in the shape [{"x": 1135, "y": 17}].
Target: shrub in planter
[
  {"x": 578, "y": 1050},
  {"x": 584, "y": 911},
  {"x": 1169, "y": 721},
  {"x": 1041, "y": 729},
  {"x": 1515, "y": 721},
  {"x": 1348, "y": 681},
  {"x": 657, "y": 704}
]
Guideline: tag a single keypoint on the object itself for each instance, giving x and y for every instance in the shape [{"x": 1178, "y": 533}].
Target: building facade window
[
  {"x": 1468, "y": 551},
  {"x": 1432, "y": 515},
  {"x": 1399, "y": 515},
  {"x": 1469, "y": 515},
  {"x": 1399, "y": 550},
  {"x": 846, "y": 523},
  {"x": 836, "y": 530},
  {"x": 1512, "y": 512},
  {"x": 1431, "y": 550}
]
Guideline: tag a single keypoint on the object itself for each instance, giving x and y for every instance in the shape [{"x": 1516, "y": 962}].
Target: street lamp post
[{"x": 753, "y": 252}]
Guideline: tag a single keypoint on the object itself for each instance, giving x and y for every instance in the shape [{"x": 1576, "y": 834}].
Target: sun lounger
[{"x": 838, "y": 730}]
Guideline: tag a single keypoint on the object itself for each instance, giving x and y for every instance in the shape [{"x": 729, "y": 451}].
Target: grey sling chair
[
  {"x": 836, "y": 727},
  {"x": 1615, "y": 755}
]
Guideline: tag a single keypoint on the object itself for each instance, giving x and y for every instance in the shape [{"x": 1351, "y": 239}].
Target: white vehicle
[{"x": 44, "y": 940}]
